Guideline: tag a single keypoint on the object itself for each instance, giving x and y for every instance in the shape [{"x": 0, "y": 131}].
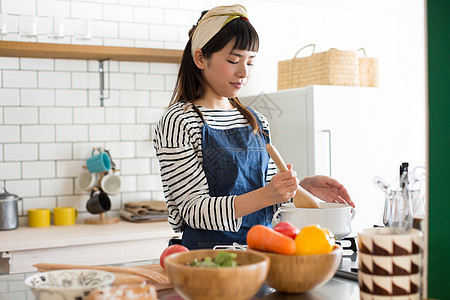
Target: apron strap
[{"x": 199, "y": 113}]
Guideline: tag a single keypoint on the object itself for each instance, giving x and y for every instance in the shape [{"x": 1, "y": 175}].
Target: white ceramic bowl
[{"x": 67, "y": 284}]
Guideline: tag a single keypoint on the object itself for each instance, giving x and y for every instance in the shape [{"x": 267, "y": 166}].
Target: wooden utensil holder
[{"x": 103, "y": 219}]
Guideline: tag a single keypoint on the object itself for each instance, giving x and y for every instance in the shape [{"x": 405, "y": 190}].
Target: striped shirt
[{"x": 178, "y": 146}]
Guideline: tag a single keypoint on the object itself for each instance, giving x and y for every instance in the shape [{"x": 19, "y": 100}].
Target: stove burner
[
  {"x": 349, "y": 264},
  {"x": 353, "y": 245}
]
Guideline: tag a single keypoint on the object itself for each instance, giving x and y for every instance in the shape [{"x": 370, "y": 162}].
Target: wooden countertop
[{"x": 25, "y": 238}]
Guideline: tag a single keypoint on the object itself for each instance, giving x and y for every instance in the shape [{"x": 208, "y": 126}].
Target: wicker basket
[
  {"x": 333, "y": 67},
  {"x": 368, "y": 70}
]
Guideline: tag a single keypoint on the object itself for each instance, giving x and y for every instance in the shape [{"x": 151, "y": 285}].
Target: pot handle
[
  {"x": 275, "y": 215},
  {"x": 353, "y": 213}
]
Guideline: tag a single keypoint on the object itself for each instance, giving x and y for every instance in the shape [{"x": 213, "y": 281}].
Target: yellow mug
[
  {"x": 64, "y": 215},
  {"x": 38, "y": 217}
]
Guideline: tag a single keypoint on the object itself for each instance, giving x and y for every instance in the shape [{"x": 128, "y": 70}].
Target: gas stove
[{"x": 349, "y": 264}]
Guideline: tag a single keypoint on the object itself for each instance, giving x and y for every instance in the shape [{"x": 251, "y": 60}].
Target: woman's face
[{"x": 227, "y": 71}]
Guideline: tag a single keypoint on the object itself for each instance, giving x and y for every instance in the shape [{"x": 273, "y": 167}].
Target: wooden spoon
[{"x": 302, "y": 199}]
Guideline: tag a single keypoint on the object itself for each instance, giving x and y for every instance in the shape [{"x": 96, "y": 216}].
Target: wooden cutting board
[
  {"x": 124, "y": 278},
  {"x": 159, "y": 269},
  {"x": 121, "y": 277}
]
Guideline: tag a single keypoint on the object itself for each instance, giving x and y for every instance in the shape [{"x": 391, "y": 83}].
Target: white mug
[
  {"x": 86, "y": 181},
  {"x": 110, "y": 184},
  {"x": 335, "y": 217}
]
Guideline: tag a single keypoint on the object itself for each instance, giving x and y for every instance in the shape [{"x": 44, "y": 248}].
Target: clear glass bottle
[{"x": 398, "y": 213}]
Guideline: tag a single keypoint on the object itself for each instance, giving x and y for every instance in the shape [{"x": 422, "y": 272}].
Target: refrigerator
[{"x": 352, "y": 134}]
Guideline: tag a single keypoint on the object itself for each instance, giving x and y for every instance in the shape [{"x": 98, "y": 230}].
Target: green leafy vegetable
[{"x": 223, "y": 259}]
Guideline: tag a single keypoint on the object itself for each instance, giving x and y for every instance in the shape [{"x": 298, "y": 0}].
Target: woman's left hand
[{"x": 327, "y": 189}]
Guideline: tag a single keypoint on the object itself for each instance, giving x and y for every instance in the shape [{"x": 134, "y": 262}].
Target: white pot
[{"x": 332, "y": 216}]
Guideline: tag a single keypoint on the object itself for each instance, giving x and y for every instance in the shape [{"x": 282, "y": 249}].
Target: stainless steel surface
[
  {"x": 101, "y": 71},
  {"x": 8, "y": 211},
  {"x": 348, "y": 268}
]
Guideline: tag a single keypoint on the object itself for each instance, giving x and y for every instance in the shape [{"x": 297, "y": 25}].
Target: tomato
[
  {"x": 171, "y": 250},
  {"x": 287, "y": 228}
]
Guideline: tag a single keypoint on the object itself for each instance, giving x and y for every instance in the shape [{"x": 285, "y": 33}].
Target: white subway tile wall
[
  {"x": 40, "y": 169},
  {"x": 50, "y": 114},
  {"x": 36, "y": 64},
  {"x": 50, "y": 110},
  {"x": 38, "y": 133},
  {"x": 54, "y": 80},
  {"x": 53, "y": 8},
  {"x": 9, "y": 96},
  {"x": 36, "y": 97},
  {"x": 10, "y": 133},
  {"x": 19, "y": 79},
  {"x": 9, "y": 62}
]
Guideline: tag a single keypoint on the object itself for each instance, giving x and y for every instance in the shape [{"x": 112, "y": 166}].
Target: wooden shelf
[{"x": 86, "y": 52}]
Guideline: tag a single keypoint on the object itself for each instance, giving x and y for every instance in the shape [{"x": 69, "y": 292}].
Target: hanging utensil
[
  {"x": 383, "y": 186},
  {"x": 302, "y": 199},
  {"x": 387, "y": 198}
]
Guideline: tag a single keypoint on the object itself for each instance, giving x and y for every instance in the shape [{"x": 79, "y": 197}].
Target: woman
[{"x": 217, "y": 176}]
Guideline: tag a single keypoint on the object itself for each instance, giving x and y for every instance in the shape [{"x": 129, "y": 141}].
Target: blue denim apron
[{"x": 235, "y": 162}]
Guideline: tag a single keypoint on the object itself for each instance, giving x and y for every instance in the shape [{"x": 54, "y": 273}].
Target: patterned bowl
[{"x": 67, "y": 284}]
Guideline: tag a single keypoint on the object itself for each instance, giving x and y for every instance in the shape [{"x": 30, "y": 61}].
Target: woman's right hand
[{"x": 283, "y": 186}]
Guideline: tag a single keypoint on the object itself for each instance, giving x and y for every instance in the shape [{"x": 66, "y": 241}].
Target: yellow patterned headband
[{"x": 214, "y": 20}]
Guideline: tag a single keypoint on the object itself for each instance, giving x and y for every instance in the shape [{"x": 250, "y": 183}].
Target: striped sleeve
[{"x": 177, "y": 144}]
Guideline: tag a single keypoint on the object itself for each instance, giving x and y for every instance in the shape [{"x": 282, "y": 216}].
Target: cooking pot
[
  {"x": 335, "y": 217},
  {"x": 8, "y": 210}
]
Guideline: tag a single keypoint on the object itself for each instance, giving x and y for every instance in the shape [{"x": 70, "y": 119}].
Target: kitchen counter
[
  {"x": 82, "y": 244},
  {"x": 336, "y": 289}
]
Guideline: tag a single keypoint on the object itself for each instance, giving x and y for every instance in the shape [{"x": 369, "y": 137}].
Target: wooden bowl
[
  {"x": 241, "y": 282},
  {"x": 301, "y": 273}
]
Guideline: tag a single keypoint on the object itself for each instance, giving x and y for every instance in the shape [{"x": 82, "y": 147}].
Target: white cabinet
[
  {"x": 350, "y": 133},
  {"x": 82, "y": 244}
]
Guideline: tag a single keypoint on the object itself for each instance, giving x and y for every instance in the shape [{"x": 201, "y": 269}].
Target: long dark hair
[{"x": 190, "y": 83}]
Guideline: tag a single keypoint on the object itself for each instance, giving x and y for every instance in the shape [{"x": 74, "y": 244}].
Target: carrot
[{"x": 260, "y": 237}]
